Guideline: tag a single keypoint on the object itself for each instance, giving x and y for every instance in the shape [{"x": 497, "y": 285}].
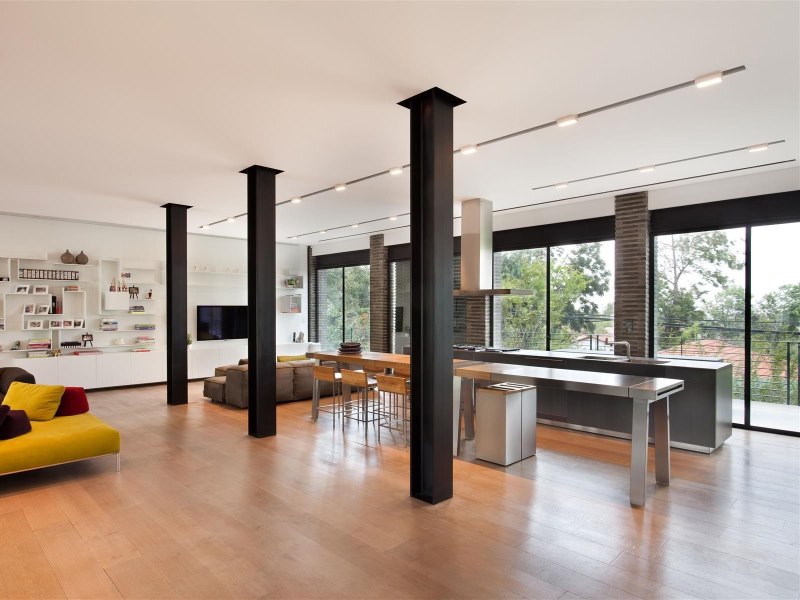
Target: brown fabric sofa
[
  {"x": 9, "y": 375},
  {"x": 294, "y": 381}
]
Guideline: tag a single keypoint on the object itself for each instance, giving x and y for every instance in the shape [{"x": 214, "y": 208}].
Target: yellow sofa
[{"x": 58, "y": 441}]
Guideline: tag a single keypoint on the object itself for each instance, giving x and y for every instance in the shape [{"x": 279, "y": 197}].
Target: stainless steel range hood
[{"x": 476, "y": 252}]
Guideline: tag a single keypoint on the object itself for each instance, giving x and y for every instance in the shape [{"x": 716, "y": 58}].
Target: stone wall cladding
[
  {"x": 631, "y": 268},
  {"x": 313, "y": 331},
  {"x": 378, "y": 294}
]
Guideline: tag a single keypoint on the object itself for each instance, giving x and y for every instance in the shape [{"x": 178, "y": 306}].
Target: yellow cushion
[
  {"x": 59, "y": 440},
  {"x": 40, "y": 402},
  {"x": 290, "y": 358}
]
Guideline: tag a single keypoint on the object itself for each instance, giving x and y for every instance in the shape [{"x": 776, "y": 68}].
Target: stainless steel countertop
[{"x": 609, "y": 384}]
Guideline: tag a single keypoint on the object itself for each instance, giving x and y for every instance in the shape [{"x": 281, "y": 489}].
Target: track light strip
[
  {"x": 554, "y": 123},
  {"x": 663, "y": 164},
  {"x": 534, "y": 204}
]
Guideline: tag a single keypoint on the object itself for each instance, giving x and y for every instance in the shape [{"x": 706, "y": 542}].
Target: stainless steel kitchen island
[{"x": 641, "y": 391}]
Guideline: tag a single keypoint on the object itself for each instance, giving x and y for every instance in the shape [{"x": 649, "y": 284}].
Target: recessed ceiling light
[
  {"x": 296, "y": 200},
  {"x": 758, "y": 148},
  {"x": 393, "y": 218},
  {"x": 323, "y": 232},
  {"x": 231, "y": 220},
  {"x": 340, "y": 187},
  {"x": 561, "y": 186},
  {"x": 647, "y": 169},
  {"x": 708, "y": 79},
  {"x": 567, "y": 120},
  {"x": 396, "y": 171},
  {"x": 355, "y": 226},
  {"x": 471, "y": 149}
]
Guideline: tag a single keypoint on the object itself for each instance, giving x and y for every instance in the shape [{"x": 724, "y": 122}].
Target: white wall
[{"x": 35, "y": 237}]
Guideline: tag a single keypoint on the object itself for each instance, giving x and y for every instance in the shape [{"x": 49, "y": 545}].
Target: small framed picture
[
  {"x": 29, "y": 309},
  {"x": 22, "y": 289},
  {"x": 125, "y": 275},
  {"x": 40, "y": 289},
  {"x": 54, "y": 324},
  {"x": 78, "y": 324},
  {"x": 66, "y": 323},
  {"x": 43, "y": 309},
  {"x": 35, "y": 324}
]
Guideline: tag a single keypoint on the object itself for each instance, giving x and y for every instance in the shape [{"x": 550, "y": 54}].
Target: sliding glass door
[
  {"x": 343, "y": 305},
  {"x": 775, "y": 327}
]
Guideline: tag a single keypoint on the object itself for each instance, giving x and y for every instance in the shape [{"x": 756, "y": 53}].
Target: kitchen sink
[
  {"x": 648, "y": 361},
  {"x": 601, "y": 357},
  {"x": 635, "y": 359}
]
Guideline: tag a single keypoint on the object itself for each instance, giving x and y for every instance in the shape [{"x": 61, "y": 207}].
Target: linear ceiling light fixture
[
  {"x": 759, "y": 147},
  {"x": 396, "y": 171},
  {"x": 653, "y": 167},
  {"x": 565, "y": 121},
  {"x": 546, "y": 202}
]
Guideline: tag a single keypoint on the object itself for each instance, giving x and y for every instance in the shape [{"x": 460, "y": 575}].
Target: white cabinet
[
  {"x": 113, "y": 369},
  {"x": 45, "y": 370},
  {"x": 204, "y": 359},
  {"x": 78, "y": 371},
  {"x": 147, "y": 367}
]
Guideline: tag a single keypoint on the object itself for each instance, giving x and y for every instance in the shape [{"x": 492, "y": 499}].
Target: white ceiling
[{"x": 109, "y": 110}]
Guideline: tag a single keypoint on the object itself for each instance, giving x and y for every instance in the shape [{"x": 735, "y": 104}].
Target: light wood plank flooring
[{"x": 202, "y": 511}]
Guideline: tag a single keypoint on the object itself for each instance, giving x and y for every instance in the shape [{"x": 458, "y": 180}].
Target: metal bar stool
[
  {"x": 329, "y": 374},
  {"x": 393, "y": 392},
  {"x": 362, "y": 410}
]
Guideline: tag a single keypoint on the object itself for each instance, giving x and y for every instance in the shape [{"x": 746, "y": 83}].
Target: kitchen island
[{"x": 700, "y": 415}]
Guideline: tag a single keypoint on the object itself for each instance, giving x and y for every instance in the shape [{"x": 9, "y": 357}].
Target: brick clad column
[
  {"x": 378, "y": 294},
  {"x": 478, "y": 321},
  {"x": 313, "y": 329},
  {"x": 631, "y": 272}
]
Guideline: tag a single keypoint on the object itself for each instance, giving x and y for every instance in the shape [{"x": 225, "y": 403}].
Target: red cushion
[{"x": 73, "y": 402}]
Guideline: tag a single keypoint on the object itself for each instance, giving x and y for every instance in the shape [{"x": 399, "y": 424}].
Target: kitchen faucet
[{"x": 626, "y": 344}]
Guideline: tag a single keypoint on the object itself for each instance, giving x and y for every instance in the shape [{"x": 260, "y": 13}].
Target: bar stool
[
  {"x": 393, "y": 392},
  {"x": 329, "y": 374},
  {"x": 360, "y": 409}
]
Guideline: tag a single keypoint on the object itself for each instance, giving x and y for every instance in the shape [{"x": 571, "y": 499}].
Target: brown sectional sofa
[{"x": 294, "y": 381}]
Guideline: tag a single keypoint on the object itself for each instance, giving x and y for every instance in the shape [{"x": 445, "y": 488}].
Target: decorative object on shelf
[
  {"x": 28, "y": 309},
  {"x": 43, "y": 309},
  {"x": 2, "y": 325},
  {"x": 150, "y": 327},
  {"x": 78, "y": 323},
  {"x": 40, "y": 289},
  {"x": 48, "y": 274},
  {"x": 4, "y": 278},
  {"x": 87, "y": 339},
  {"x": 21, "y": 289},
  {"x": 109, "y": 324},
  {"x": 149, "y": 295},
  {"x": 125, "y": 275},
  {"x": 113, "y": 286},
  {"x": 189, "y": 339},
  {"x": 67, "y": 323},
  {"x": 56, "y": 324},
  {"x": 301, "y": 337},
  {"x": 72, "y": 288},
  {"x": 70, "y": 344},
  {"x": 54, "y": 353},
  {"x": 136, "y": 309},
  {"x": 68, "y": 258},
  {"x": 82, "y": 259},
  {"x": 133, "y": 292},
  {"x": 35, "y": 324},
  {"x": 294, "y": 337},
  {"x": 15, "y": 345}
]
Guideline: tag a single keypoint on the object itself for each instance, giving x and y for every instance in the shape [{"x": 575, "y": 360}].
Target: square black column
[
  {"x": 177, "y": 321},
  {"x": 261, "y": 415},
  {"x": 432, "y": 294}
]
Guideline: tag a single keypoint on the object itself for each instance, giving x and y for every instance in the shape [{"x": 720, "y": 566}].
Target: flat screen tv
[{"x": 221, "y": 322}]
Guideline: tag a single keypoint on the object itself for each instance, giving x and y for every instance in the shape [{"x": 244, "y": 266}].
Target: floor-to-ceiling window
[
  {"x": 700, "y": 300},
  {"x": 775, "y": 327},
  {"x": 579, "y": 298},
  {"x": 400, "y": 308},
  {"x": 343, "y": 305},
  {"x": 582, "y": 296}
]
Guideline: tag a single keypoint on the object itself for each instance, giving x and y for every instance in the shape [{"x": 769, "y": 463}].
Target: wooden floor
[{"x": 202, "y": 511}]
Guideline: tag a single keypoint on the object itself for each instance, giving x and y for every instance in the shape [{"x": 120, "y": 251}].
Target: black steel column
[
  {"x": 432, "y": 294},
  {"x": 177, "y": 321},
  {"x": 261, "y": 417}
]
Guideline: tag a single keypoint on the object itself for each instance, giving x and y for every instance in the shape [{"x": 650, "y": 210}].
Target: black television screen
[{"x": 221, "y": 322}]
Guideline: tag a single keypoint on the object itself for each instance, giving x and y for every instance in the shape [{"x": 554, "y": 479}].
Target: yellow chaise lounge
[{"x": 62, "y": 429}]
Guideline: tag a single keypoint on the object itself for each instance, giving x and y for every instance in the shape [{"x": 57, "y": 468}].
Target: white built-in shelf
[
  {"x": 148, "y": 346},
  {"x": 122, "y": 330}
]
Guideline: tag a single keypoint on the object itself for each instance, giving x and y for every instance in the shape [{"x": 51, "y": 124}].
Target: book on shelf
[
  {"x": 39, "y": 344},
  {"x": 144, "y": 326},
  {"x": 109, "y": 325},
  {"x": 38, "y": 354},
  {"x": 87, "y": 352},
  {"x": 72, "y": 288},
  {"x": 140, "y": 349}
]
